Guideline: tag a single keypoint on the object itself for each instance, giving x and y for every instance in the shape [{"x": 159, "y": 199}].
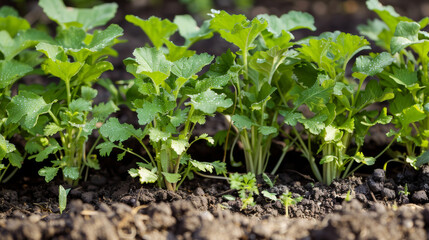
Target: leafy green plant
[
  {"x": 17, "y": 59},
  {"x": 337, "y": 114},
  {"x": 171, "y": 100},
  {"x": 246, "y": 185},
  {"x": 65, "y": 109},
  {"x": 406, "y": 40},
  {"x": 261, "y": 77}
]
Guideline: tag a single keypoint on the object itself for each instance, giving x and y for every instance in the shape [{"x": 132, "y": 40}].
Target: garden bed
[
  {"x": 108, "y": 135},
  {"x": 108, "y": 207}
]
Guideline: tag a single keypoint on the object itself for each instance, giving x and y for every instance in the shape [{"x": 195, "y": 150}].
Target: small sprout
[
  {"x": 267, "y": 180},
  {"x": 348, "y": 196},
  {"x": 405, "y": 192},
  {"x": 246, "y": 186},
  {"x": 287, "y": 200},
  {"x": 62, "y": 198}
]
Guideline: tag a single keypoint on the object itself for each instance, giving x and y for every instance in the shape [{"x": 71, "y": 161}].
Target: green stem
[
  {"x": 284, "y": 152},
  {"x": 386, "y": 148},
  {"x": 307, "y": 153},
  {"x": 4, "y": 172}
]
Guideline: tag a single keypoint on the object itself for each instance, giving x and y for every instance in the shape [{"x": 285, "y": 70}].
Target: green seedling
[
  {"x": 287, "y": 200},
  {"x": 246, "y": 186},
  {"x": 405, "y": 192},
  {"x": 62, "y": 198}
]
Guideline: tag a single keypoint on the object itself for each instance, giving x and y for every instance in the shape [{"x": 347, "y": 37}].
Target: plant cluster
[{"x": 319, "y": 95}]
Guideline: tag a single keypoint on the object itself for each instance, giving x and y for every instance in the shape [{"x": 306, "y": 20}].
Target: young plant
[
  {"x": 287, "y": 200},
  {"x": 261, "y": 77},
  {"x": 65, "y": 109},
  {"x": 337, "y": 105},
  {"x": 171, "y": 100},
  {"x": 17, "y": 59},
  {"x": 407, "y": 76},
  {"x": 246, "y": 185}
]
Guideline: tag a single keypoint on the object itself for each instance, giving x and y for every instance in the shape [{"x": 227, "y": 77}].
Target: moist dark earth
[
  {"x": 106, "y": 207},
  {"x": 111, "y": 205}
]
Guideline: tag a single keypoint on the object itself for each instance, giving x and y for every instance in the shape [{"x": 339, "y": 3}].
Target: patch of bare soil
[{"x": 107, "y": 208}]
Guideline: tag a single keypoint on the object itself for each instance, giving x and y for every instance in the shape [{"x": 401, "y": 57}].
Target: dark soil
[
  {"x": 108, "y": 208},
  {"x": 111, "y": 205}
]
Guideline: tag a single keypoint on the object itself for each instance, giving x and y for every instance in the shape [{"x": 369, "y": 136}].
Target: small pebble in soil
[
  {"x": 389, "y": 194},
  {"x": 87, "y": 197},
  {"x": 378, "y": 175},
  {"x": 375, "y": 187},
  {"x": 419, "y": 197},
  {"x": 199, "y": 192}
]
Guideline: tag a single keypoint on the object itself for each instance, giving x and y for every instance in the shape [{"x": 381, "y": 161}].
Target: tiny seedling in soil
[{"x": 62, "y": 198}]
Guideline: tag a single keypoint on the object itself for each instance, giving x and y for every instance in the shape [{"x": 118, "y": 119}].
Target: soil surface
[
  {"x": 111, "y": 205},
  {"x": 108, "y": 207}
]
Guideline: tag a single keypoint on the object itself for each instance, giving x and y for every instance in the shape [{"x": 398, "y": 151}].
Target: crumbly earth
[{"x": 372, "y": 207}]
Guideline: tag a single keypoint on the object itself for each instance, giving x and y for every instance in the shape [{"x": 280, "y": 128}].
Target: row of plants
[{"x": 271, "y": 86}]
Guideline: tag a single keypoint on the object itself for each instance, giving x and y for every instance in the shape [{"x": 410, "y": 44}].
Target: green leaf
[
  {"x": 10, "y": 47},
  {"x": 156, "y": 29},
  {"x": 105, "y": 148},
  {"x": 237, "y": 29},
  {"x": 188, "y": 67},
  {"x": 48, "y": 172},
  {"x": 206, "y": 137},
  {"x": 71, "y": 172},
  {"x": 406, "y": 34},
  {"x": 88, "y": 18},
  {"x": 62, "y": 198},
  {"x": 116, "y": 131},
  {"x": 177, "y": 52},
  {"x": 315, "y": 97},
  {"x": 145, "y": 176},
  {"x": 371, "y": 66},
  {"x": 52, "y": 128},
  {"x": 373, "y": 29},
  {"x": 386, "y": 13},
  {"x": 179, "y": 146},
  {"x": 267, "y": 130},
  {"x": 88, "y": 93},
  {"x": 220, "y": 167},
  {"x": 45, "y": 153},
  {"x": 290, "y": 21},
  {"x": 404, "y": 77},
  {"x": 189, "y": 30},
  {"x": 171, "y": 177},
  {"x": 242, "y": 122},
  {"x": 349, "y": 45},
  {"x": 80, "y": 105},
  {"x": 209, "y": 101},
  {"x": 10, "y": 71},
  {"x": 26, "y": 108},
  {"x": 332, "y": 134},
  {"x": 314, "y": 125},
  {"x": 152, "y": 63},
  {"x": 6, "y": 11},
  {"x": 412, "y": 114},
  {"x": 103, "y": 110},
  {"x": 63, "y": 70},
  {"x": 401, "y": 102},
  {"x": 148, "y": 111},
  {"x": 89, "y": 74},
  {"x": 328, "y": 158},
  {"x": 157, "y": 135},
  {"x": 422, "y": 159},
  {"x": 13, "y": 25},
  {"x": 202, "y": 166},
  {"x": 105, "y": 38},
  {"x": 15, "y": 159},
  {"x": 271, "y": 196},
  {"x": 291, "y": 118},
  {"x": 267, "y": 180}
]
